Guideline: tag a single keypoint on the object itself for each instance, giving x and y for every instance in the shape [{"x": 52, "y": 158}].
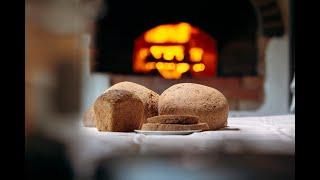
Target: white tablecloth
[{"x": 269, "y": 134}]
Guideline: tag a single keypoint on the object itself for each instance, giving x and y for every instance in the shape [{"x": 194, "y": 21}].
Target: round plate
[{"x": 166, "y": 132}]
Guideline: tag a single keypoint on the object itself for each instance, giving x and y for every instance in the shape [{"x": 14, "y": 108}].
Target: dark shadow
[{"x": 229, "y": 129}]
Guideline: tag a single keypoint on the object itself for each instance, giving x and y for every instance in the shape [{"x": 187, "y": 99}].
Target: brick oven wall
[{"x": 243, "y": 93}]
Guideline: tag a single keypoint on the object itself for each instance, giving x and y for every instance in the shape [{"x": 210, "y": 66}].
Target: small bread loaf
[
  {"x": 148, "y": 97},
  {"x": 207, "y": 103},
  {"x": 174, "y": 127},
  {"x": 174, "y": 119},
  {"x": 88, "y": 119},
  {"x": 118, "y": 110}
]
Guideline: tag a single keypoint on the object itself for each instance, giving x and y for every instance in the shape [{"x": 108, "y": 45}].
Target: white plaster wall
[
  {"x": 276, "y": 77},
  {"x": 276, "y": 86}
]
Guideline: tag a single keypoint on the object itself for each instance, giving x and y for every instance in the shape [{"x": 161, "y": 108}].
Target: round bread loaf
[
  {"x": 174, "y": 127},
  {"x": 174, "y": 119},
  {"x": 148, "y": 97},
  {"x": 118, "y": 110},
  {"x": 88, "y": 119},
  {"x": 207, "y": 103}
]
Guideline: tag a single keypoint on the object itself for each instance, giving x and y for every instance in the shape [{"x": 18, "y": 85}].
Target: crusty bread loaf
[
  {"x": 118, "y": 110},
  {"x": 88, "y": 119},
  {"x": 174, "y": 127},
  {"x": 148, "y": 97},
  {"x": 198, "y": 100},
  {"x": 174, "y": 119}
]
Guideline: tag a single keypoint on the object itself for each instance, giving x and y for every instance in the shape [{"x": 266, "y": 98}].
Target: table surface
[{"x": 267, "y": 134}]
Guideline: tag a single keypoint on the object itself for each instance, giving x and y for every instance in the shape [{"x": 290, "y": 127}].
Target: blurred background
[
  {"x": 241, "y": 49},
  {"x": 76, "y": 49}
]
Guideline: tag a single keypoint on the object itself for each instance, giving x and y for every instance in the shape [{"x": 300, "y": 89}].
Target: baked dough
[
  {"x": 174, "y": 119},
  {"x": 173, "y": 127},
  {"x": 148, "y": 97},
  {"x": 118, "y": 110},
  {"x": 207, "y": 103}
]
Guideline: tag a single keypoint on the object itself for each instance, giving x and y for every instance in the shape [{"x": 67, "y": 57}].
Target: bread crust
[
  {"x": 174, "y": 127},
  {"x": 118, "y": 111},
  {"x": 174, "y": 119},
  {"x": 148, "y": 97},
  {"x": 207, "y": 103}
]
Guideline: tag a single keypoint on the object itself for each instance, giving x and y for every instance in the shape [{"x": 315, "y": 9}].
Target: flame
[
  {"x": 169, "y": 33},
  {"x": 172, "y": 70},
  {"x": 182, "y": 67},
  {"x": 143, "y": 53},
  {"x": 198, "y": 67},
  {"x": 150, "y": 65},
  {"x": 168, "y": 52},
  {"x": 196, "y": 54},
  {"x": 175, "y": 49}
]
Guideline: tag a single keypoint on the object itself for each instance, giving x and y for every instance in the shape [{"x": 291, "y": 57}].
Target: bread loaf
[
  {"x": 207, "y": 103},
  {"x": 148, "y": 97},
  {"x": 118, "y": 110}
]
